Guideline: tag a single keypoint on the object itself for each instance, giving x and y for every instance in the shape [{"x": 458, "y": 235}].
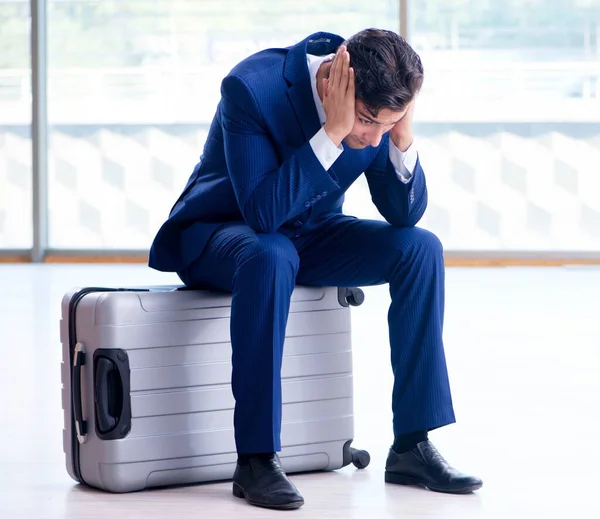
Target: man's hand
[
  {"x": 338, "y": 98},
  {"x": 402, "y": 134}
]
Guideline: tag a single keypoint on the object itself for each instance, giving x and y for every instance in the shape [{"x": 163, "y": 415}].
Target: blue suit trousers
[{"x": 261, "y": 271}]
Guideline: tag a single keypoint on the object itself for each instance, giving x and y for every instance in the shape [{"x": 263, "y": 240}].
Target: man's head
[
  {"x": 388, "y": 71},
  {"x": 388, "y": 75}
]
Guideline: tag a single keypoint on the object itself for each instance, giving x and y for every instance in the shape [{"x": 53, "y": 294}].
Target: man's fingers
[
  {"x": 337, "y": 67},
  {"x": 332, "y": 69},
  {"x": 345, "y": 65},
  {"x": 351, "y": 83}
]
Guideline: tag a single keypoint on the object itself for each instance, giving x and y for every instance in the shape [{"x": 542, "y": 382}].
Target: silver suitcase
[{"x": 146, "y": 389}]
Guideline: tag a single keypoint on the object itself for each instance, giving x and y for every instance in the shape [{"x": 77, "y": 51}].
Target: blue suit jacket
[{"x": 258, "y": 166}]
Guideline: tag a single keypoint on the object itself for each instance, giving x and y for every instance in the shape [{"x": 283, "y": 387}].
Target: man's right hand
[{"x": 339, "y": 98}]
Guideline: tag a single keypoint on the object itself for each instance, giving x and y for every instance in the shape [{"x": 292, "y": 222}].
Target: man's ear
[{"x": 325, "y": 86}]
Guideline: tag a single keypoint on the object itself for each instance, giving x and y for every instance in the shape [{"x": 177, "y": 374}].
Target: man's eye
[{"x": 364, "y": 121}]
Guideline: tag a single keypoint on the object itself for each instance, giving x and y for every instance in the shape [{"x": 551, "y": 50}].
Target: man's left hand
[{"x": 402, "y": 134}]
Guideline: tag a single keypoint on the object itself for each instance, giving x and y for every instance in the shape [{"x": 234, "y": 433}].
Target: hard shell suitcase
[{"x": 146, "y": 389}]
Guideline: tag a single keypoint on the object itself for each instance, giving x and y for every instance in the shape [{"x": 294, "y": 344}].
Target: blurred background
[
  {"x": 508, "y": 122},
  {"x": 104, "y": 110}
]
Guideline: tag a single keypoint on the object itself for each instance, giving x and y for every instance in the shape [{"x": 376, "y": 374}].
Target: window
[
  {"x": 15, "y": 126},
  {"x": 509, "y": 120},
  {"x": 133, "y": 86}
]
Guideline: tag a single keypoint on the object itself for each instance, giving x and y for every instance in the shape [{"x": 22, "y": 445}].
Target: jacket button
[
  {"x": 298, "y": 223},
  {"x": 324, "y": 193},
  {"x": 313, "y": 200},
  {"x": 307, "y": 204}
]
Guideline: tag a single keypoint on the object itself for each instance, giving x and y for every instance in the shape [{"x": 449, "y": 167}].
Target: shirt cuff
[
  {"x": 404, "y": 162},
  {"x": 324, "y": 149}
]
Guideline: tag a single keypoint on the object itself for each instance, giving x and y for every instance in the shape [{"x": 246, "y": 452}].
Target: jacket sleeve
[
  {"x": 269, "y": 192},
  {"x": 401, "y": 204}
]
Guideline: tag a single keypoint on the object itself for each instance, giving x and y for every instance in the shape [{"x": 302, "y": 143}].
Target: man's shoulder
[
  {"x": 257, "y": 77},
  {"x": 270, "y": 63},
  {"x": 263, "y": 78}
]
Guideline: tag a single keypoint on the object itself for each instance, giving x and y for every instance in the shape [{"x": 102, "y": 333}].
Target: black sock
[
  {"x": 406, "y": 442},
  {"x": 244, "y": 458}
]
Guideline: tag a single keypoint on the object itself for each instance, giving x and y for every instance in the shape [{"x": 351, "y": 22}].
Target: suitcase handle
[
  {"x": 108, "y": 395},
  {"x": 112, "y": 394},
  {"x": 80, "y": 423}
]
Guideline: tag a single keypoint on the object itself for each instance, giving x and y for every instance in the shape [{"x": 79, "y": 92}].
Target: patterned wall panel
[
  {"x": 492, "y": 186},
  {"x": 112, "y": 187},
  {"x": 514, "y": 187},
  {"x": 508, "y": 187}
]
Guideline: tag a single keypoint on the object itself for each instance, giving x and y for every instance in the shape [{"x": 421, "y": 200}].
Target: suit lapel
[{"x": 297, "y": 76}]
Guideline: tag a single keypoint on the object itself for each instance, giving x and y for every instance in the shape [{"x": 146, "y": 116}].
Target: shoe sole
[
  {"x": 401, "y": 479},
  {"x": 239, "y": 492}
]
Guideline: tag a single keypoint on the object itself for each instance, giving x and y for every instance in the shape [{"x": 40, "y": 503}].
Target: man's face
[{"x": 368, "y": 130}]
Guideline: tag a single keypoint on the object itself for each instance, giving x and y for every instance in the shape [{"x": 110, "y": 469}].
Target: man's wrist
[
  {"x": 403, "y": 142},
  {"x": 335, "y": 137}
]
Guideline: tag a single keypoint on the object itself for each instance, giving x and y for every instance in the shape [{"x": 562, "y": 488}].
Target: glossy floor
[{"x": 523, "y": 348}]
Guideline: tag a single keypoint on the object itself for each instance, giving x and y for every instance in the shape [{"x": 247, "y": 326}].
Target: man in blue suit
[{"x": 262, "y": 212}]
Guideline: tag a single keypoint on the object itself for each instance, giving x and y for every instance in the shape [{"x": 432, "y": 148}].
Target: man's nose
[
  {"x": 374, "y": 137},
  {"x": 376, "y": 140}
]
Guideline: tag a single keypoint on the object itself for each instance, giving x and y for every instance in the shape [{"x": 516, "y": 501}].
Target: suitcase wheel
[{"x": 360, "y": 458}]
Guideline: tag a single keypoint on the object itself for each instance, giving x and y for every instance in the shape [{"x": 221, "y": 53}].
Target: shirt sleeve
[
  {"x": 404, "y": 162},
  {"x": 325, "y": 150}
]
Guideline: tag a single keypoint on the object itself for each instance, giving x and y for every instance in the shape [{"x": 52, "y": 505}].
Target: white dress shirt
[{"x": 327, "y": 152}]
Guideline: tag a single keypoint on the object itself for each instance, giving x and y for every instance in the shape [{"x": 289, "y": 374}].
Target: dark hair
[{"x": 388, "y": 72}]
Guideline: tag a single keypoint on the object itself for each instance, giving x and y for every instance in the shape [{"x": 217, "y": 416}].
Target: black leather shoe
[
  {"x": 262, "y": 482},
  {"x": 424, "y": 466}
]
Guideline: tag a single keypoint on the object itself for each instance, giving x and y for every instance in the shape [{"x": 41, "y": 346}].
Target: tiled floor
[{"x": 523, "y": 348}]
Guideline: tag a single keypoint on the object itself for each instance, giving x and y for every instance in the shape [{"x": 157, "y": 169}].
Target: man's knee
[
  {"x": 414, "y": 242},
  {"x": 426, "y": 242},
  {"x": 271, "y": 252},
  {"x": 414, "y": 248}
]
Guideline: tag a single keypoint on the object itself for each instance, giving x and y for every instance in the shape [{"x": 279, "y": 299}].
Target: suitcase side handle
[
  {"x": 80, "y": 423},
  {"x": 112, "y": 394}
]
